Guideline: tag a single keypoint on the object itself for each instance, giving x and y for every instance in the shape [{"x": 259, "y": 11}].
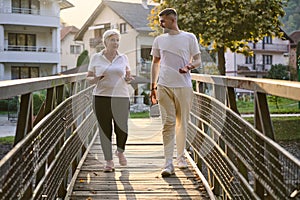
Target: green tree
[
  {"x": 83, "y": 59},
  {"x": 226, "y": 24},
  {"x": 291, "y": 20},
  {"x": 280, "y": 72}
]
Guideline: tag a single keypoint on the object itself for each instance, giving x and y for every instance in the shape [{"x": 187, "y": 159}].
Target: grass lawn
[
  {"x": 280, "y": 125},
  {"x": 139, "y": 115},
  {"x": 284, "y": 106},
  {"x": 7, "y": 140}
]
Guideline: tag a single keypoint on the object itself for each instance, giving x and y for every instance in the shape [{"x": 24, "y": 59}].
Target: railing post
[
  {"x": 24, "y": 117},
  {"x": 49, "y": 100},
  {"x": 266, "y": 127},
  {"x": 258, "y": 187}
]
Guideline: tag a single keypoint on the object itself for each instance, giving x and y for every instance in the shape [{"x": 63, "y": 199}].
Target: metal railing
[
  {"x": 269, "y": 47},
  {"x": 17, "y": 10},
  {"x": 29, "y": 48},
  {"x": 49, "y": 147},
  {"x": 242, "y": 161}
]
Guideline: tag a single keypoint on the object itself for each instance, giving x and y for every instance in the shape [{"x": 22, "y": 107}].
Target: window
[
  {"x": 21, "y": 42},
  {"x": 249, "y": 59},
  {"x": 99, "y": 32},
  {"x": 25, "y": 6},
  {"x": 75, "y": 49},
  {"x": 64, "y": 68},
  {"x": 123, "y": 28},
  {"x": 267, "y": 59},
  {"x": 24, "y": 72},
  {"x": 267, "y": 40}
]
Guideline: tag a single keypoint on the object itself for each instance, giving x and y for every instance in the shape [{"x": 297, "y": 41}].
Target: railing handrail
[
  {"x": 281, "y": 88},
  {"x": 12, "y": 88}
]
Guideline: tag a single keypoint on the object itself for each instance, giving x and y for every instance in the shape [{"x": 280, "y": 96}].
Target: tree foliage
[
  {"x": 279, "y": 71},
  {"x": 83, "y": 59},
  {"x": 223, "y": 24},
  {"x": 291, "y": 20}
]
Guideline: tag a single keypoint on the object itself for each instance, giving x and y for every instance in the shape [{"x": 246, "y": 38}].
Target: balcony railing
[
  {"x": 16, "y": 10},
  {"x": 28, "y": 48},
  {"x": 25, "y": 11},
  {"x": 269, "y": 47},
  {"x": 94, "y": 42}
]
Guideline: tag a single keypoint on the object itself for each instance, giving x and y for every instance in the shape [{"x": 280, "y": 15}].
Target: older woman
[{"x": 110, "y": 71}]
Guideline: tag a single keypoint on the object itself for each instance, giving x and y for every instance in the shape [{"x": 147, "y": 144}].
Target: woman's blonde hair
[{"x": 109, "y": 33}]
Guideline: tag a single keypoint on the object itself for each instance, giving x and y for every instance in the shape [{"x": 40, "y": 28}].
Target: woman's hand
[
  {"x": 128, "y": 78},
  {"x": 92, "y": 79}
]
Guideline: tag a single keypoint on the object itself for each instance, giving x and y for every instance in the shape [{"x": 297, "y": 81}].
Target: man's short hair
[{"x": 168, "y": 11}]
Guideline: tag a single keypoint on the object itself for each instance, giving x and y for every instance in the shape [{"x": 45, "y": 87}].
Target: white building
[
  {"x": 30, "y": 38},
  {"x": 70, "y": 49},
  {"x": 270, "y": 51}
]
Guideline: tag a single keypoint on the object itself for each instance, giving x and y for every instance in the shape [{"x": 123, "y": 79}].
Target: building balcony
[
  {"x": 252, "y": 70},
  {"x": 30, "y": 54},
  {"x": 26, "y": 17},
  {"x": 275, "y": 48}
]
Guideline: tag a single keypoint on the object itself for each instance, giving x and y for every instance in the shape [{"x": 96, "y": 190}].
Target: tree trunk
[{"x": 221, "y": 60}]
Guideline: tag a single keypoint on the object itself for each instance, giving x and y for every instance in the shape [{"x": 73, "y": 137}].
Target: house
[
  {"x": 267, "y": 52},
  {"x": 131, "y": 20},
  {"x": 30, "y": 38},
  {"x": 70, "y": 49},
  {"x": 295, "y": 69}
]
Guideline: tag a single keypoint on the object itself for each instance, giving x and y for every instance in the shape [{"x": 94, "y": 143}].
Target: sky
[{"x": 82, "y": 10}]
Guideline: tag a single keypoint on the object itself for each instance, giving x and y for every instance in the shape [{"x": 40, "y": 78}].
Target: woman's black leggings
[{"x": 112, "y": 111}]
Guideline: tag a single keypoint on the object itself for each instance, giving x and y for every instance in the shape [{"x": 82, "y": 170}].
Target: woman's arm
[{"x": 92, "y": 78}]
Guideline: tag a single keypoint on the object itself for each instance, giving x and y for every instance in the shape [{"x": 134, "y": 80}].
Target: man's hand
[
  {"x": 153, "y": 96},
  {"x": 185, "y": 69}
]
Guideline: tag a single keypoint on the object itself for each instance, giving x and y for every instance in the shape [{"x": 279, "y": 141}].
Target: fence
[
  {"x": 242, "y": 161},
  {"x": 49, "y": 146}
]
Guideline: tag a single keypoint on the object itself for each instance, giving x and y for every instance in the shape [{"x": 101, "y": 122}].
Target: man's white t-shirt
[
  {"x": 113, "y": 83},
  {"x": 175, "y": 51}
]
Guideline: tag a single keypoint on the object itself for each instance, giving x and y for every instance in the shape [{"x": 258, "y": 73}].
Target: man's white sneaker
[
  {"x": 181, "y": 163},
  {"x": 167, "y": 171}
]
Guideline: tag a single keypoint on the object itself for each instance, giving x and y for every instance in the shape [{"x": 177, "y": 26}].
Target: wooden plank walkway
[{"x": 141, "y": 178}]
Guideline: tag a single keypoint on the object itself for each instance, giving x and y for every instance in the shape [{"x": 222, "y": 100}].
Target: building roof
[
  {"x": 64, "y": 4},
  {"x": 66, "y": 30},
  {"x": 295, "y": 36},
  {"x": 135, "y": 14}
]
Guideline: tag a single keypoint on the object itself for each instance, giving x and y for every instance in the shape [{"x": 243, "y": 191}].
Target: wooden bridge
[
  {"x": 57, "y": 153},
  {"x": 141, "y": 179}
]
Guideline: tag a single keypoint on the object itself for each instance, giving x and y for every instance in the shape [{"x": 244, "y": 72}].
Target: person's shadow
[
  {"x": 178, "y": 186},
  {"x": 128, "y": 189}
]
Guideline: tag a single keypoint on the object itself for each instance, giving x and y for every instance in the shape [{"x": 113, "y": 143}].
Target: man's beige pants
[{"x": 174, "y": 105}]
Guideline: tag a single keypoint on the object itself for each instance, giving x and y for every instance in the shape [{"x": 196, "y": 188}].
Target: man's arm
[
  {"x": 195, "y": 63},
  {"x": 154, "y": 76}
]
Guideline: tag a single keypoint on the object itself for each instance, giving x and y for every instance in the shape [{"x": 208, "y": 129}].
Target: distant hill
[{"x": 291, "y": 20}]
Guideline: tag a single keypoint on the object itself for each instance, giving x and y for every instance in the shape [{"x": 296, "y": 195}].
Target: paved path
[{"x": 7, "y": 127}]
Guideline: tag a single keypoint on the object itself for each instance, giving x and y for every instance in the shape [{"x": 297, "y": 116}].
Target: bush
[{"x": 38, "y": 100}]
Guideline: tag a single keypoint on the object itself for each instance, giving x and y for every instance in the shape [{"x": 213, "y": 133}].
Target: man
[{"x": 174, "y": 53}]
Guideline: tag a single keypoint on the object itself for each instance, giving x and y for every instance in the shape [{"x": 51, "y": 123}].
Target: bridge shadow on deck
[{"x": 141, "y": 178}]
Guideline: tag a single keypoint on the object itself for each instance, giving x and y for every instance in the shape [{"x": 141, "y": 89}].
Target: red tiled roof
[{"x": 66, "y": 30}]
